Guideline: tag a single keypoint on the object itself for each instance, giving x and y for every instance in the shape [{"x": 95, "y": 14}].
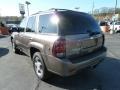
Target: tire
[
  {"x": 14, "y": 47},
  {"x": 39, "y": 67}
]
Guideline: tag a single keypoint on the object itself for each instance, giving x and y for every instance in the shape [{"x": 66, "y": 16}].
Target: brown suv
[{"x": 60, "y": 41}]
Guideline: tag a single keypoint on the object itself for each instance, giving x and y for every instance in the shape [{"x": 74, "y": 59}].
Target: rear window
[
  {"x": 72, "y": 23},
  {"x": 103, "y": 24}
]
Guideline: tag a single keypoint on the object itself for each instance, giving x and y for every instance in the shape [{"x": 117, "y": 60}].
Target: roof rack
[
  {"x": 51, "y": 10},
  {"x": 57, "y": 9}
]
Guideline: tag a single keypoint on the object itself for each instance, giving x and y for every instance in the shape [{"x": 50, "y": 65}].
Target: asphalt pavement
[{"x": 16, "y": 71}]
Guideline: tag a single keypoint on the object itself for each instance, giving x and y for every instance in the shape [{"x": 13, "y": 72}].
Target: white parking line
[{"x": 113, "y": 55}]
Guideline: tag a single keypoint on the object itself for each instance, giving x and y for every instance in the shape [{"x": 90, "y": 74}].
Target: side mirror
[
  {"x": 15, "y": 29},
  {"x": 20, "y": 29}
]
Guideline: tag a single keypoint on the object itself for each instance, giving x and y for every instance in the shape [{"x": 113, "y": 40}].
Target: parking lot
[{"x": 16, "y": 71}]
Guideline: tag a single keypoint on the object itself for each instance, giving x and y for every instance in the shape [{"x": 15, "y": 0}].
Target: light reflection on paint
[{"x": 54, "y": 19}]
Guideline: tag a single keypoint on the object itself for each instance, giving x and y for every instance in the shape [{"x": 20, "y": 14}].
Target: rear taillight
[{"x": 59, "y": 48}]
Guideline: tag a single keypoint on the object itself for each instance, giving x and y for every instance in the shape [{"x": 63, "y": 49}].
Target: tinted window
[
  {"x": 103, "y": 24},
  {"x": 72, "y": 23},
  {"x": 31, "y": 24},
  {"x": 117, "y": 23},
  {"x": 45, "y": 24},
  {"x": 23, "y": 25}
]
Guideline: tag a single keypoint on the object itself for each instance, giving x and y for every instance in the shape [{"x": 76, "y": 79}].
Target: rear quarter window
[{"x": 45, "y": 25}]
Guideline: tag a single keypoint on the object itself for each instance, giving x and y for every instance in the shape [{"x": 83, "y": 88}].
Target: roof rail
[
  {"x": 57, "y": 9},
  {"x": 50, "y": 10},
  {"x": 37, "y": 12}
]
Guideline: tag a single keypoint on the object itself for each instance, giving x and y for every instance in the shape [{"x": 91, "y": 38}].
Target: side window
[
  {"x": 115, "y": 23},
  {"x": 22, "y": 25},
  {"x": 31, "y": 24},
  {"x": 45, "y": 24}
]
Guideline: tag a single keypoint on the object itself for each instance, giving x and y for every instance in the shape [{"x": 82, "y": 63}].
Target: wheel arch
[{"x": 38, "y": 47}]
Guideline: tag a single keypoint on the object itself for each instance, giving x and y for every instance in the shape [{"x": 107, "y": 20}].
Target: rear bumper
[
  {"x": 66, "y": 67},
  {"x": 73, "y": 68}
]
